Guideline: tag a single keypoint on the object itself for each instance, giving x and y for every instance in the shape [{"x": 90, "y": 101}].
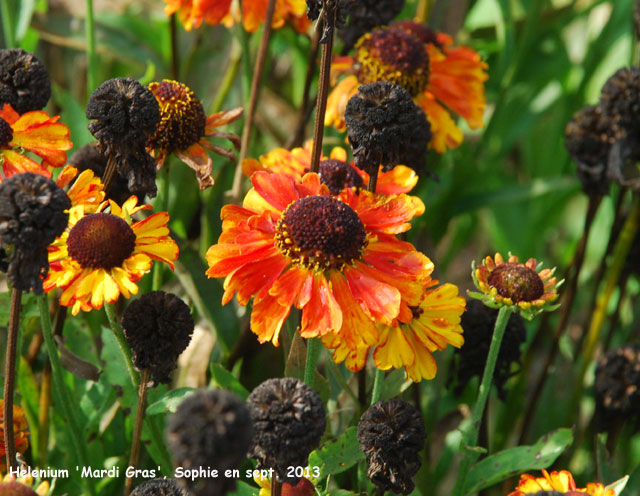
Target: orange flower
[
  {"x": 103, "y": 254},
  {"x": 20, "y": 433},
  {"x": 334, "y": 258},
  {"x": 191, "y": 13},
  {"x": 297, "y": 162},
  {"x": 183, "y": 128},
  {"x": 33, "y": 132},
  {"x": 561, "y": 482},
  {"x": 86, "y": 190},
  {"x": 442, "y": 78}
]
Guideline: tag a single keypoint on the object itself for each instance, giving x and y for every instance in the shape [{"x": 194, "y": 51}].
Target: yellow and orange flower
[
  {"x": 441, "y": 77},
  {"x": 103, "y": 253},
  {"x": 435, "y": 325},
  {"x": 33, "y": 132},
  {"x": 523, "y": 286},
  {"x": 192, "y": 13},
  {"x": 561, "y": 482},
  {"x": 183, "y": 128},
  {"x": 87, "y": 189},
  {"x": 297, "y": 162},
  {"x": 20, "y": 433},
  {"x": 334, "y": 258}
]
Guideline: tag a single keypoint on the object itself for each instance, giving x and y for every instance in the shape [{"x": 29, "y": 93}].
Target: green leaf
[
  {"x": 170, "y": 401},
  {"x": 226, "y": 380},
  {"x": 393, "y": 384},
  {"x": 513, "y": 461},
  {"x": 337, "y": 456},
  {"x": 618, "y": 486}
]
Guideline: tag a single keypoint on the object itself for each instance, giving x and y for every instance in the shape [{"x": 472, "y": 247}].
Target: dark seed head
[
  {"x": 101, "y": 241},
  {"x": 418, "y": 29},
  {"x": 158, "y": 487},
  {"x": 617, "y": 388},
  {"x": 366, "y": 15},
  {"x": 588, "y": 141},
  {"x": 478, "y": 322},
  {"x": 391, "y": 435},
  {"x": 620, "y": 102},
  {"x": 288, "y": 421},
  {"x": 24, "y": 82},
  {"x": 320, "y": 232},
  {"x": 6, "y": 132},
  {"x": 32, "y": 214},
  {"x": 385, "y": 127},
  {"x": 182, "y": 118},
  {"x": 211, "y": 430},
  {"x": 158, "y": 327}
]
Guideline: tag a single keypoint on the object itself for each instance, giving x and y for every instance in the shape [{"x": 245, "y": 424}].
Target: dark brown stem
[
  {"x": 379, "y": 491},
  {"x": 236, "y": 189},
  {"x": 175, "y": 61},
  {"x": 307, "y": 105},
  {"x": 567, "y": 302},
  {"x": 10, "y": 378},
  {"x": 373, "y": 181},
  {"x": 137, "y": 429},
  {"x": 362, "y": 388},
  {"x": 323, "y": 91},
  {"x": 109, "y": 173},
  {"x": 276, "y": 486}
]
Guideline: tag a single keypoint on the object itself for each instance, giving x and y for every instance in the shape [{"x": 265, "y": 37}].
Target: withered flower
[
  {"x": 158, "y": 487},
  {"x": 366, "y": 15},
  {"x": 24, "y": 81}
]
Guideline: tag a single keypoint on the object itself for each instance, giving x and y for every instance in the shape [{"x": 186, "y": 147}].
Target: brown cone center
[{"x": 516, "y": 282}]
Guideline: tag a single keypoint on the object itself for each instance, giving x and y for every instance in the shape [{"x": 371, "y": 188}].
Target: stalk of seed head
[{"x": 263, "y": 50}]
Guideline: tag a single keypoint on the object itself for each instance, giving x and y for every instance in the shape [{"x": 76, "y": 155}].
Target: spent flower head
[
  {"x": 523, "y": 287},
  {"x": 24, "y": 81}
]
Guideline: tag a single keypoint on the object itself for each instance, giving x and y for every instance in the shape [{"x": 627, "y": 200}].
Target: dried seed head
[
  {"x": 385, "y": 127},
  {"x": 88, "y": 157},
  {"x": 620, "y": 101},
  {"x": 617, "y": 387},
  {"x": 288, "y": 421},
  {"x": 6, "y": 132},
  {"x": 588, "y": 141},
  {"x": 367, "y": 15},
  {"x": 158, "y": 487},
  {"x": 478, "y": 323},
  {"x": 391, "y": 435},
  {"x": 126, "y": 115},
  {"x": 32, "y": 214},
  {"x": 24, "y": 82},
  {"x": 211, "y": 430},
  {"x": 158, "y": 327}
]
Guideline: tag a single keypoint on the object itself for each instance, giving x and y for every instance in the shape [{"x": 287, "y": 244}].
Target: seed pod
[
  {"x": 158, "y": 487},
  {"x": 24, "y": 81}
]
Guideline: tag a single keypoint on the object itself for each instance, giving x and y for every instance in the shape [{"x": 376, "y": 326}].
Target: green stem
[
  {"x": 63, "y": 397},
  {"x": 470, "y": 437},
  {"x": 619, "y": 256},
  {"x": 313, "y": 352},
  {"x": 377, "y": 385},
  {"x": 154, "y": 432},
  {"x": 122, "y": 343},
  {"x": 7, "y": 24},
  {"x": 92, "y": 66},
  {"x": 161, "y": 205},
  {"x": 229, "y": 77}
]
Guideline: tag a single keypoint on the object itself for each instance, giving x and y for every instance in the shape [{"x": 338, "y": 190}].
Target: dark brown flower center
[
  {"x": 416, "y": 311},
  {"x": 338, "y": 175},
  {"x": 395, "y": 56},
  {"x": 6, "y": 132},
  {"x": 516, "y": 281},
  {"x": 101, "y": 241},
  {"x": 320, "y": 232},
  {"x": 182, "y": 117}
]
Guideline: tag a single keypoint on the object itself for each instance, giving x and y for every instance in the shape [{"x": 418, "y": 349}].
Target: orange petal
[
  {"x": 378, "y": 300},
  {"x": 322, "y": 313}
]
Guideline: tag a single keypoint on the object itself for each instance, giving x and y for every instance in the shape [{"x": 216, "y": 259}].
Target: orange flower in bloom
[
  {"x": 33, "y": 132},
  {"x": 335, "y": 258},
  {"x": 435, "y": 325},
  {"x": 297, "y": 162},
  {"x": 561, "y": 482},
  {"x": 86, "y": 190},
  {"x": 183, "y": 128},
  {"x": 20, "y": 433},
  {"x": 192, "y": 12},
  {"x": 520, "y": 285},
  {"x": 103, "y": 254},
  {"x": 442, "y": 78}
]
